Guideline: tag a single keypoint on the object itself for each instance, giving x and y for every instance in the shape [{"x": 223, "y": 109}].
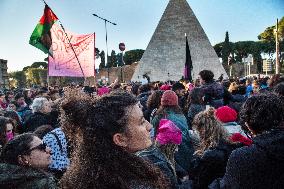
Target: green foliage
[
  {"x": 20, "y": 78},
  {"x": 36, "y": 76},
  {"x": 119, "y": 59},
  {"x": 97, "y": 51},
  {"x": 133, "y": 56},
  {"x": 218, "y": 49},
  {"x": 42, "y": 65},
  {"x": 103, "y": 62},
  {"x": 226, "y": 49},
  {"x": 269, "y": 35},
  {"x": 281, "y": 28},
  {"x": 112, "y": 61}
]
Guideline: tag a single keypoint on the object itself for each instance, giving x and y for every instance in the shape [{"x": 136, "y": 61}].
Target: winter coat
[
  {"x": 36, "y": 120},
  {"x": 193, "y": 110},
  {"x": 211, "y": 165},
  {"x": 238, "y": 102},
  {"x": 259, "y": 166},
  {"x": 20, "y": 177},
  {"x": 233, "y": 127},
  {"x": 213, "y": 94},
  {"x": 185, "y": 149},
  {"x": 156, "y": 157}
]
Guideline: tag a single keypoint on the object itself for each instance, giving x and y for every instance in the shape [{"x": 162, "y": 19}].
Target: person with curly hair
[
  {"x": 279, "y": 89},
  {"x": 106, "y": 133},
  {"x": 260, "y": 165},
  {"x": 210, "y": 158}
]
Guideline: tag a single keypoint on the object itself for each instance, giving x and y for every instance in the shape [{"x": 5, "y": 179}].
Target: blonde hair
[
  {"x": 233, "y": 87},
  {"x": 210, "y": 130}
]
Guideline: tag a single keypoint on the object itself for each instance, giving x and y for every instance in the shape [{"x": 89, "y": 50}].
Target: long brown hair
[
  {"x": 210, "y": 130},
  {"x": 97, "y": 162}
]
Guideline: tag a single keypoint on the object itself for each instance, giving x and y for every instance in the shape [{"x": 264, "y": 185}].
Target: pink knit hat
[
  {"x": 226, "y": 114},
  {"x": 165, "y": 87},
  {"x": 168, "y": 133},
  {"x": 169, "y": 98},
  {"x": 103, "y": 90}
]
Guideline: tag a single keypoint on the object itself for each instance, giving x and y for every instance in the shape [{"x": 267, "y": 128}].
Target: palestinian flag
[{"x": 41, "y": 37}]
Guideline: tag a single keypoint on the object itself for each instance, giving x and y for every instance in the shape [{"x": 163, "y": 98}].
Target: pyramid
[{"x": 164, "y": 57}]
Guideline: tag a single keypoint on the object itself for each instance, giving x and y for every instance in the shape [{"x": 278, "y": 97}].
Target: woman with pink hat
[{"x": 170, "y": 110}]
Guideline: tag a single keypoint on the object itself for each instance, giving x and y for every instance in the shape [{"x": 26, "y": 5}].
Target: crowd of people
[{"x": 201, "y": 134}]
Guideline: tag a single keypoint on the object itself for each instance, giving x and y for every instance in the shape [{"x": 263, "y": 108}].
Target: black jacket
[
  {"x": 213, "y": 94},
  {"x": 35, "y": 120},
  {"x": 260, "y": 165},
  {"x": 20, "y": 177},
  {"x": 211, "y": 165}
]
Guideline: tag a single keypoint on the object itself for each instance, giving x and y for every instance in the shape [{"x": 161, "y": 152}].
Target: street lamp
[{"x": 106, "y": 21}]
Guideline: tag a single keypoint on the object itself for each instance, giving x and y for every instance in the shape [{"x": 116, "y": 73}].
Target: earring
[{"x": 28, "y": 163}]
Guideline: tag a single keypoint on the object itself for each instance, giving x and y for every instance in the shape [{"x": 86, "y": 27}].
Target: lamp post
[
  {"x": 121, "y": 48},
  {"x": 106, "y": 21}
]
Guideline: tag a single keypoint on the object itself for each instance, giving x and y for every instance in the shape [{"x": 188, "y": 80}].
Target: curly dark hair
[
  {"x": 206, "y": 75},
  {"x": 97, "y": 162},
  {"x": 263, "y": 112},
  {"x": 16, "y": 147},
  {"x": 279, "y": 89}
]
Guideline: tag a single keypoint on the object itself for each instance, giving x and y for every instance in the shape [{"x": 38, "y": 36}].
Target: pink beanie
[
  {"x": 165, "y": 87},
  {"x": 103, "y": 90},
  {"x": 226, "y": 114},
  {"x": 168, "y": 133},
  {"x": 169, "y": 98}
]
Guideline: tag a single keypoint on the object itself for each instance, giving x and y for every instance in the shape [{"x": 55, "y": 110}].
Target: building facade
[{"x": 4, "y": 77}]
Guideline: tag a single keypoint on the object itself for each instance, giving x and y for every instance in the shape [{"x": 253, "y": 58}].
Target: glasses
[{"x": 41, "y": 147}]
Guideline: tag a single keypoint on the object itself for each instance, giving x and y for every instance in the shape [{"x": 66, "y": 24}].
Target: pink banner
[{"x": 64, "y": 62}]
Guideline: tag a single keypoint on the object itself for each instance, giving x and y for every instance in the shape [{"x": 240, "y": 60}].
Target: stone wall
[
  {"x": 4, "y": 77},
  {"x": 124, "y": 73}
]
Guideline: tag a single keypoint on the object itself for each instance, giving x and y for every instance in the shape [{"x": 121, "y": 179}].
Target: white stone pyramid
[{"x": 164, "y": 57}]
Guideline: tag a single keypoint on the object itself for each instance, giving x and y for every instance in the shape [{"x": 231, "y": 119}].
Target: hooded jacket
[
  {"x": 214, "y": 94},
  {"x": 259, "y": 166},
  {"x": 211, "y": 165},
  {"x": 20, "y": 177}
]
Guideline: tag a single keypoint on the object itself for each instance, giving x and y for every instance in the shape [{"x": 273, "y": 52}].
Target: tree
[
  {"x": 226, "y": 49},
  {"x": 119, "y": 59},
  {"x": 36, "y": 76},
  {"x": 269, "y": 35},
  {"x": 19, "y": 77},
  {"x": 42, "y": 65},
  {"x": 97, "y": 51},
  {"x": 112, "y": 60},
  {"x": 133, "y": 56},
  {"x": 218, "y": 49},
  {"x": 103, "y": 62},
  {"x": 268, "y": 38}
]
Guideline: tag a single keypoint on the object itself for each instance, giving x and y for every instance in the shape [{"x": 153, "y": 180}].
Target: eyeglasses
[{"x": 41, "y": 147}]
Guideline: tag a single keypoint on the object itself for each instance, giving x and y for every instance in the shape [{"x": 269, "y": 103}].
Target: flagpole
[{"x": 69, "y": 43}]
